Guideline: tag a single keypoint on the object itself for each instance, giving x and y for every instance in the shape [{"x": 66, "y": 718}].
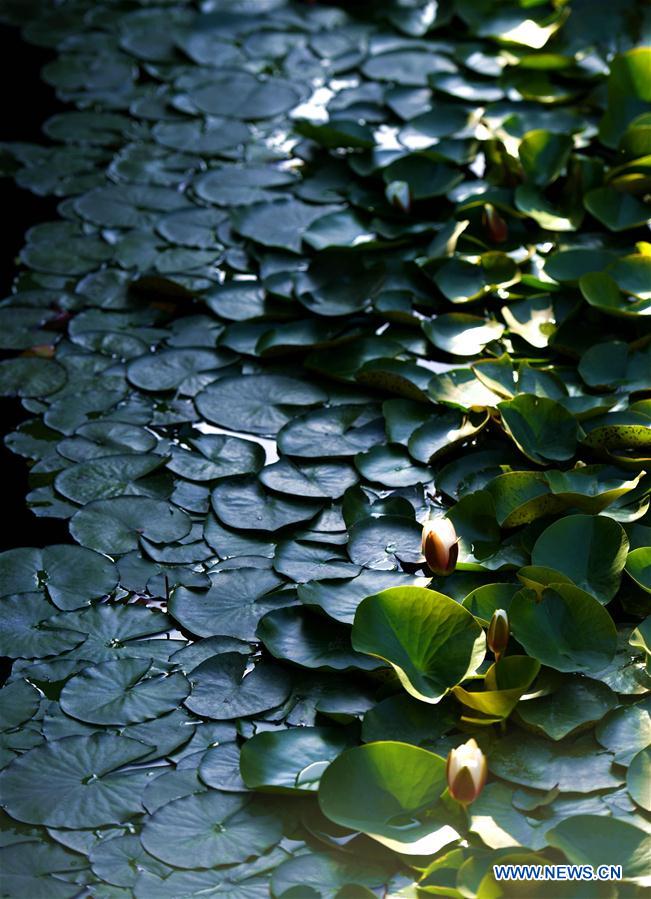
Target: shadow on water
[{"x": 26, "y": 104}]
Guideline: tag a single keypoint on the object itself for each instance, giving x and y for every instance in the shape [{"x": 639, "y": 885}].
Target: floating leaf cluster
[{"x": 320, "y": 275}]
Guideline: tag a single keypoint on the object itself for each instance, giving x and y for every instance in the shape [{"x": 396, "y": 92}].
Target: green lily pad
[
  {"x": 485, "y": 600},
  {"x": 314, "y": 872},
  {"x": 379, "y": 542},
  {"x": 461, "y": 334},
  {"x": 31, "y": 376},
  {"x": 31, "y": 868},
  {"x": 578, "y": 703},
  {"x": 320, "y": 480},
  {"x": 70, "y": 575},
  {"x": 602, "y": 292},
  {"x": 74, "y": 782},
  {"x": 568, "y": 629},
  {"x": 335, "y": 432},
  {"x": 391, "y": 466},
  {"x": 125, "y": 691},
  {"x": 626, "y": 730},
  {"x": 298, "y": 636},
  {"x": 540, "y": 427},
  {"x": 173, "y": 369},
  {"x": 119, "y": 859},
  {"x": 404, "y": 718},
  {"x": 540, "y": 764},
  {"x": 105, "y": 477},
  {"x": 221, "y": 691},
  {"x": 213, "y": 456},
  {"x": 339, "y": 598},
  {"x": 101, "y": 438},
  {"x": 390, "y": 791},
  {"x": 304, "y": 561},
  {"x": 116, "y": 631},
  {"x": 638, "y": 778},
  {"x": 233, "y": 605},
  {"x": 500, "y": 825},
  {"x": 24, "y": 634},
  {"x": 282, "y": 223},
  {"x": 617, "y": 211},
  {"x": 257, "y": 404},
  {"x": 116, "y": 525},
  {"x": 589, "y": 549},
  {"x": 544, "y": 155},
  {"x": 243, "y": 504},
  {"x": 19, "y": 701},
  {"x": 431, "y": 641},
  {"x": 638, "y": 565},
  {"x": 596, "y": 840},
  {"x": 208, "y": 830},
  {"x": 291, "y": 761},
  {"x": 441, "y": 433},
  {"x": 220, "y": 768}
]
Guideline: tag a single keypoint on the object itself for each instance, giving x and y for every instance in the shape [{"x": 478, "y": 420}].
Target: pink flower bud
[
  {"x": 440, "y": 545},
  {"x": 498, "y": 633},
  {"x": 497, "y": 229},
  {"x": 467, "y": 770}
]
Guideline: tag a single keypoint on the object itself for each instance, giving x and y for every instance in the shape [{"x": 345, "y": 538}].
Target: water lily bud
[
  {"x": 497, "y": 228},
  {"x": 399, "y": 195},
  {"x": 466, "y": 770},
  {"x": 440, "y": 545},
  {"x": 498, "y": 633}
]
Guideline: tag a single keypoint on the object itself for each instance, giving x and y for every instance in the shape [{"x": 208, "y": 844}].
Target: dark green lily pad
[
  {"x": 222, "y": 690},
  {"x": 75, "y": 782},
  {"x": 70, "y": 575},
  {"x": 258, "y": 404},
  {"x": 116, "y": 525},
  {"x": 232, "y": 606},
  {"x": 299, "y": 636},
  {"x": 568, "y": 629},
  {"x": 244, "y": 505},
  {"x": 208, "y": 830},
  {"x": 589, "y": 549},
  {"x": 292, "y": 760},
  {"x": 126, "y": 691}
]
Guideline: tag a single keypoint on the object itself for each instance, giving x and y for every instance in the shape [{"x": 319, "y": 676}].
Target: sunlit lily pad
[{"x": 451, "y": 644}]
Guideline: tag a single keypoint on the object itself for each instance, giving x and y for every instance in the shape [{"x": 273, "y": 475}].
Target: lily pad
[
  {"x": 244, "y": 505},
  {"x": 390, "y": 791},
  {"x": 291, "y": 761},
  {"x": 258, "y": 404},
  {"x": 116, "y": 525},
  {"x": 432, "y": 642},
  {"x": 540, "y": 427},
  {"x": 222, "y": 688},
  {"x": 74, "y": 782},
  {"x": 595, "y": 840},
  {"x": 568, "y": 629},
  {"x": 537, "y": 763},
  {"x": 380, "y": 542},
  {"x": 589, "y": 549},
  {"x": 232, "y": 606},
  {"x": 208, "y": 830},
  {"x": 70, "y": 575},
  {"x": 299, "y": 636},
  {"x": 125, "y": 691}
]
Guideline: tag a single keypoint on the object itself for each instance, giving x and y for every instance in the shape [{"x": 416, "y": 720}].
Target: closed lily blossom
[
  {"x": 466, "y": 770},
  {"x": 440, "y": 545},
  {"x": 498, "y": 633}
]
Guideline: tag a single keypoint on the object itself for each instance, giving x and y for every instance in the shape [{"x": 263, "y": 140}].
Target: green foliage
[{"x": 321, "y": 273}]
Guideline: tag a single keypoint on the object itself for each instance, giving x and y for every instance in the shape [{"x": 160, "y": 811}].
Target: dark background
[{"x": 26, "y": 103}]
